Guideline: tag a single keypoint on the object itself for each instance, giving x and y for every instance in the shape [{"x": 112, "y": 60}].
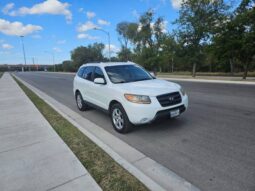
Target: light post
[
  {"x": 109, "y": 41},
  {"x": 23, "y": 48},
  {"x": 53, "y": 59},
  {"x": 173, "y": 62}
]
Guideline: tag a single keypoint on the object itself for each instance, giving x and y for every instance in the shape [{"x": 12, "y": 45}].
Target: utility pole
[
  {"x": 53, "y": 59},
  {"x": 109, "y": 41},
  {"x": 33, "y": 61},
  {"x": 173, "y": 62},
  {"x": 23, "y": 48}
]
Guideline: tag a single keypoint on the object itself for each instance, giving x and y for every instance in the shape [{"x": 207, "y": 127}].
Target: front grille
[{"x": 170, "y": 99}]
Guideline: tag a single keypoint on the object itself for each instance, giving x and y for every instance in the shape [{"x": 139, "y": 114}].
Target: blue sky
[{"x": 59, "y": 26}]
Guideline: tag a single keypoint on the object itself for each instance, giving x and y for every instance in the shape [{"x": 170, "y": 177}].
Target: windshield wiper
[
  {"x": 141, "y": 79},
  {"x": 120, "y": 82}
]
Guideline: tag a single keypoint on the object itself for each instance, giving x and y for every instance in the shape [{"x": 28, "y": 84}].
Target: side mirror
[{"x": 99, "y": 81}]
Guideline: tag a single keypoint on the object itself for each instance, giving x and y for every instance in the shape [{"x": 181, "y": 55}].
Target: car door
[
  {"x": 78, "y": 80},
  {"x": 100, "y": 91},
  {"x": 87, "y": 84}
]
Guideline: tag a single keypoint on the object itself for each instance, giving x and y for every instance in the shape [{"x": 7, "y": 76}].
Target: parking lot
[{"x": 212, "y": 145}]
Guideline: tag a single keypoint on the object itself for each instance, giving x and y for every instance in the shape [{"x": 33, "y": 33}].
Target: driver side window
[
  {"x": 88, "y": 72},
  {"x": 98, "y": 73}
]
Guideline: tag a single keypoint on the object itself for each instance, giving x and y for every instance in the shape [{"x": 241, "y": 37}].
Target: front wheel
[
  {"x": 82, "y": 106},
  {"x": 120, "y": 119}
]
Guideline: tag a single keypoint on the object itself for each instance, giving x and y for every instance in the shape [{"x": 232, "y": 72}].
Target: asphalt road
[{"x": 212, "y": 145}]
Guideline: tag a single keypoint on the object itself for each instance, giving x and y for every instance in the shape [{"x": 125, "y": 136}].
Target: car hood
[{"x": 153, "y": 87}]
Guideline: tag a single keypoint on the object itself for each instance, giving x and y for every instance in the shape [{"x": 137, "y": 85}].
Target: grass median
[
  {"x": 1, "y": 73},
  {"x": 205, "y": 74},
  {"x": 107, "y": 173}
]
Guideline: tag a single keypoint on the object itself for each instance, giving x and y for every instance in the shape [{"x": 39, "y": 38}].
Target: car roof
[{"x": 108, "y": 64}]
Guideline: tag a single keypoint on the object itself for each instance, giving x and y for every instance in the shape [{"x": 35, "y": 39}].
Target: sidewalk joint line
[
  {"x": 139, "y": 159},
  {"x": 27, "y": 145},
  {"x": 67, "y": 181}
]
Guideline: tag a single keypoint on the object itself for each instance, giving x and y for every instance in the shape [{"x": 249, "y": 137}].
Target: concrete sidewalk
[{"x": 32, "y": 155}]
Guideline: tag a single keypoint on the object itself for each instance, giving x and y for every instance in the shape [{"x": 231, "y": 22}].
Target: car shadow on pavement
[{"x": 175, "y": 124}]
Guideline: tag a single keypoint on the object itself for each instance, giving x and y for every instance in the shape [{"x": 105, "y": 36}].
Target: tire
[
  {"x": 119, "y": 119},
  {"x": 82, "y": 106}
]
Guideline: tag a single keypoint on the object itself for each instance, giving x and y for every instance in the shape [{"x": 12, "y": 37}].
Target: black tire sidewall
[{"x": 83, "y": 108}]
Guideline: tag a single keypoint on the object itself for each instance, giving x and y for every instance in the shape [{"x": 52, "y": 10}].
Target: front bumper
[
  {"x": 146, "y": 113},
  {"x": 166, "y": 113}
]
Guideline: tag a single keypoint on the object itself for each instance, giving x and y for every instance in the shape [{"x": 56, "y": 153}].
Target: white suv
[{"x": 129, "y": 93}]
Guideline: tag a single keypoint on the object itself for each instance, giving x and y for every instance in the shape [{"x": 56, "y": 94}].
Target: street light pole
[
  {"x": 53, "y": 59},
  {"x": 23, "y": 48},
  {"x": 173, "y": 62},
  {"x": 109, "y": 41}
]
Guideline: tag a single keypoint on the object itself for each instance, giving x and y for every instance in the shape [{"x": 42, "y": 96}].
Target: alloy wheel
[{"x": 117, "y": 118}]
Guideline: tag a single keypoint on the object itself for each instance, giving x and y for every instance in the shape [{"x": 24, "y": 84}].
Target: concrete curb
[
  {"x": 210, "y": 81},
  {"x": 149, "y": 172}
]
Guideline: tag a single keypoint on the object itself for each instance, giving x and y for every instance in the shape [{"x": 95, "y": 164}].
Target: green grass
[
  {"x": 1, "y": 73},
  {"x": 107, "y": 173}
]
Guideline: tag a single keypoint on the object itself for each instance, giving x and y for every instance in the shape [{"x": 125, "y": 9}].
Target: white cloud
[
  {"x": 53, "y": 7},
  {"x": 17, "y": 28},
  {"x": 7, "y": 46},
  {"x": 103, "y": 22},
  {"x": 164, "y": 26},
  {"x": 86, "y": 26},
  {"x": 113, "y": 49},
  {"x": 61, "y": 42},
  {"x": 139, "y": 28},
  {"x": 56, "y": 49},
  {"x": 87, "y": 36},
  {"x": 7, "y": 8},
  {"x": 176, "y": 4},
  {"x": 90, "y": 14}
]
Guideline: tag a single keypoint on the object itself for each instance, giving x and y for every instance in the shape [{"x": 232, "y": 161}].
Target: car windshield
[{"x": 127, "y": 73}]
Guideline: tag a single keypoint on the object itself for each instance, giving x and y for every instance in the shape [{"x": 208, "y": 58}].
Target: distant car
[{"x": 130, "y": 94}]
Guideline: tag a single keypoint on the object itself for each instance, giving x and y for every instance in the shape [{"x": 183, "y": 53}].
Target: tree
[
  {"x": 168, "y": 50},
  {"x": 122, "y": 29},
  {"x": 124, "y": 54},
  {"x": 127, "y": 31},
  {"x": 245, "y": 25},
  {"x": 146, "y": 37},
  {"x": 91, "y": 53},
  {"x": 197, "y": 22},
  {"x": 236, "y": 37},
  {"x": 68, "y": 66}
]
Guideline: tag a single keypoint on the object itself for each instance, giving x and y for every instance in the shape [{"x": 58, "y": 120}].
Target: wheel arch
[
  {"x": 76, "y": 92},
  {"x": 111, "y": 104}
]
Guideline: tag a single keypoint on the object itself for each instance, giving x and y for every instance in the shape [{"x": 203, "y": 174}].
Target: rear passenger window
[
  {"x": 88, "y": 71},
  {"x": 98, "y": 73},
  {"x": 80, "y": 72}
]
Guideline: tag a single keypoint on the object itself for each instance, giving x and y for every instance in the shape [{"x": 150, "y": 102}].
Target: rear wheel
[
  {"x": 82, "y": 106},
  {"x": 120, "y": 119}
]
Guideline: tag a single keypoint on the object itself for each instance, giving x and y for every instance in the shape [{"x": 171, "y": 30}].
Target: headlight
[
  {"x": 182, "y": 91},
  {"x": 142, "y": 99}
]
